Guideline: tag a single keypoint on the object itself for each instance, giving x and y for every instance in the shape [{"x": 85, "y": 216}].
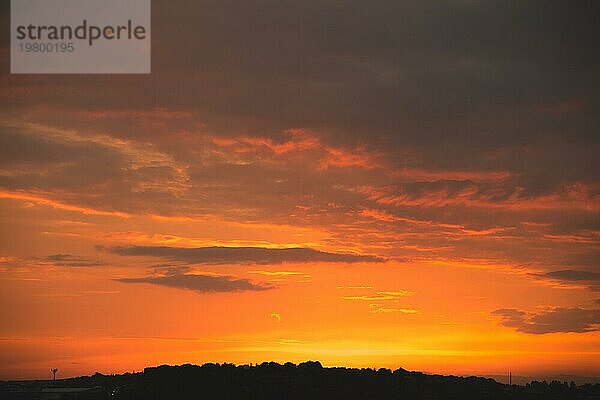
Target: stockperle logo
[{"x": 80, "y": 36}]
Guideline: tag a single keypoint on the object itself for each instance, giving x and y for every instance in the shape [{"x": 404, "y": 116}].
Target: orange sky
[
  {"x": 425, "y": 209},
  {"x": 431, "y": 313}
]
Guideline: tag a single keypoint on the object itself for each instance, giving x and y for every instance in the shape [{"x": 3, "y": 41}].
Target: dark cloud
[
  {"x": 554, "y": 320},
  {"x": 92, "y": 171},
  {"x": 42, "y": 162},
  {"x": 455, "y": 86},
  {"x": 68, "y": 260},
  {"x": 588, "y": 278},
  {"x": 571, "y": 275},
  {"x": 201, "y": 283},
  {"x": 239, "y": 255},
  {"x": 488, "y": 76}
]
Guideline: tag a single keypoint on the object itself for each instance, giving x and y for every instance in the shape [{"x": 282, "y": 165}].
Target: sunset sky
[{"x": 368, "y": 184}]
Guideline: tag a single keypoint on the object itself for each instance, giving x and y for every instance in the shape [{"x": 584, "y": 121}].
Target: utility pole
[
  {"x": 54, "y": 371},
  {"x": 510, "y": 378}
]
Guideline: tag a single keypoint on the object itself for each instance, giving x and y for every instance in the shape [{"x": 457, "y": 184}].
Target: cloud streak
[
  {"x": 69, "y": 260},
  {"x": 380, "y": 296},
  {"x": 200, "y": 283},
  {"x": 240, "y": 255}
]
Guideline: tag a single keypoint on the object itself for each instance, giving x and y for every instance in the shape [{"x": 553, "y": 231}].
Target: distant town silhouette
[{"x": 270, "y": 380}]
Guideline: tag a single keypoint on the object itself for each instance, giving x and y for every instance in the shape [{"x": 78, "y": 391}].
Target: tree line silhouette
[{"x": 310, "y": 380}]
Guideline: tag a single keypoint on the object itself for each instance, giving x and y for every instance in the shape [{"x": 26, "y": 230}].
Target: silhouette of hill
[
  {"x": 522, "y": 380},
  {"x": 308, "y": 380}
]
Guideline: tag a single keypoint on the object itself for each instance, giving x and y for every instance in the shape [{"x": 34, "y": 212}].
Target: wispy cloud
[
  {"x": 277, "y": 273},
  {"x": 379, "y": 309},
  {"x": 380, "y": 296}
]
